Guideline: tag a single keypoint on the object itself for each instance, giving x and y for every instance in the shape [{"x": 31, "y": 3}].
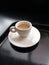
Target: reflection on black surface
[
  {"x": 7, "y": 60},
  {"x": 28, "y": 49}
]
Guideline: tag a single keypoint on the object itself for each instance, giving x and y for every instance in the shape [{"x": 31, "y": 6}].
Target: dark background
[{"x": 36, "y": 10}]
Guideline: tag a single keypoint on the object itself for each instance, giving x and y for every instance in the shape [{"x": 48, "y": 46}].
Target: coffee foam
[{"x": 23, "y": 25}]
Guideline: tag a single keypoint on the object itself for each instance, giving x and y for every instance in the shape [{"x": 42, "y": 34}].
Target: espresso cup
[{"x": 22, "y": 28}]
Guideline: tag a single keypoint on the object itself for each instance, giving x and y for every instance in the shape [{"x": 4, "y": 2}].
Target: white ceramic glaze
[
  {"x": 32, "y": 39},
  {"x": 22, "y": 32}
]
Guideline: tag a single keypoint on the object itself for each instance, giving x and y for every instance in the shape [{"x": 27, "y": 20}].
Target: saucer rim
[{"x": 26, "y": 46}]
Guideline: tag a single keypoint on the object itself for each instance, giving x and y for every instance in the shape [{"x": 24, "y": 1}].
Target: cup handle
[{"x": 13, "y": 29}]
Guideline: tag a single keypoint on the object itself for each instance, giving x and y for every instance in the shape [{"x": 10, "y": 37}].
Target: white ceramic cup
[{"x": 21, "y": 32}]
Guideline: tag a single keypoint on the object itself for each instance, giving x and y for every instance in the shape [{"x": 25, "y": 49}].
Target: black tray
[
  {"x": 37, "y": 56},
  {"x": 41, "y": 27}
]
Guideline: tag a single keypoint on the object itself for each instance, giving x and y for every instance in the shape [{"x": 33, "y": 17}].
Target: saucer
[{"x": 31, "y": 40}]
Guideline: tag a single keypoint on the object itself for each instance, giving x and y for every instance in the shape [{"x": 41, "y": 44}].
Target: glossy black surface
[
  {"x": 38, "y": 56},
  {"x": 4, "y": 29},
  {"x": 24, "y": 50}
]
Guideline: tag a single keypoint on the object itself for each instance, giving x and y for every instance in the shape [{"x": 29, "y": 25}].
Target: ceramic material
[
  {"x": 21, "y": 32},
  {"x": 32, "y": 39}
]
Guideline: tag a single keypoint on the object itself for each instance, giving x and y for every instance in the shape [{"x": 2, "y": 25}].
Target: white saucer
[{"x": 32, "y": 39}]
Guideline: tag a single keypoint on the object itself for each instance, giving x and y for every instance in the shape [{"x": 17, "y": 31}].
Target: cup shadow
[{"x": 24, "y": 50}]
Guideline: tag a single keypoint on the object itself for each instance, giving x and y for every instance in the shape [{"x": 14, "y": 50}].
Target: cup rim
[{"x": 23, "y": 22}]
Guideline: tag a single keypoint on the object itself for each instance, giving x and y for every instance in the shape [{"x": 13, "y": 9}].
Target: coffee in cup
[{"x": 24, "y": 26}]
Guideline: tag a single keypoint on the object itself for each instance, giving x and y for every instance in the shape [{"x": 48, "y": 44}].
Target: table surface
[
  {"x": 38, "y": 56},
  {"x": 5, "y": 23}
]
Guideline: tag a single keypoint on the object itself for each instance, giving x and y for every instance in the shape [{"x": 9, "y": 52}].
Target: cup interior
[{"x": 23, "y": 25}]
